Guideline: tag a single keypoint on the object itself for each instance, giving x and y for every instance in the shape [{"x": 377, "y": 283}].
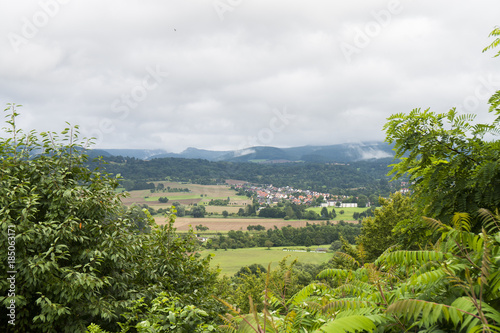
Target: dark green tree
[
  {"x": 396, "y": 222},
  {"x": 362, "y": 200},
  {"x": 324, "y": 212},
  {"x": 254, "y": 269},
  {"x": 198, "y": 211}
]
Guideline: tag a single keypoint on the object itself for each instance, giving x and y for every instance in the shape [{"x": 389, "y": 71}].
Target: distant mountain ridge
[{"x": 339, "y": 153}]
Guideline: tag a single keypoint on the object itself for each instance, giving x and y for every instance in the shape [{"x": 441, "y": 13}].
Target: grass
[
  {"x": 348, "y": 211},
  {"x": 231, "y": 261}
]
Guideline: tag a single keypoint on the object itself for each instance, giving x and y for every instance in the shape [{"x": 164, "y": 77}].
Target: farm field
[
  {"x": 348, "y": 211},
  {"x": 226, "y": 224},
  {"x": 220, "y": 209},
  {"x": 199, "y": 194},
  {"x": 232, "y": 260},
  {"x": 202, "y": 194}
]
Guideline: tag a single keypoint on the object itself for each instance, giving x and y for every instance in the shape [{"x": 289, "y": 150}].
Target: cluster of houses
[
  {"x": 269, "y": 194},
  {"x": 404, "y": 187},
  {"x": 340, "y": 204}
]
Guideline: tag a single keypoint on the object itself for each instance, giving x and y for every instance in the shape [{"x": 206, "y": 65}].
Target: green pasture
[
  {"x": 204, "y": 193},
  {"x": 232, "y": 260},
  {"x": 348, "y": 211}
]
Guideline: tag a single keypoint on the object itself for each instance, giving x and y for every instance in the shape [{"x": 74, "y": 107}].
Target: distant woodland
[{"x": 364, "y": 177}]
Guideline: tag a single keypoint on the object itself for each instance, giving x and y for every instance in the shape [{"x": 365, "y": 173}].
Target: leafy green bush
[
  {"x": 451, "y": 287},
  {"x": 80, "y": 257},
  {"x": 165, "y": 314}
]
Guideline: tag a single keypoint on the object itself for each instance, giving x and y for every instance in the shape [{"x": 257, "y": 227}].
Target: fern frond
[
  {"x": 430, "y": 277},
  {"x": 272, "y": 299},
  {"x": 484, "y": 328},
  {"x": 372, "y": 313},
  {"x": 344, "y": 304},
  {"x": 495, "y": 43},
  {"x": 308, "y": 291},
  {"x": 435, "y": 225},
  {"x": 348, "y": 258},
  {"x": 334, "y": 273},
  {"x": 429, "y": 313},
  {"x": 490, "y": 221},
  {"x": 365, "y": 311},
  {"x": 461, "y": 221},
  {"x": 410, "y": 258},
  {"x": 354, "y": 288},
  {"x": 491, "y": 313},
  {"x": 353, "y": 323},
  {"x": 494, "y": 286},
  {"x": 472, "y": 241}
]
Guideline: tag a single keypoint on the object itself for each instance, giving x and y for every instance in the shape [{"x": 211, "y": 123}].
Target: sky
[{"x": 232, "y": 74}]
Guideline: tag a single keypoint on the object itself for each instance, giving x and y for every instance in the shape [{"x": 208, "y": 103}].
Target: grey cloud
[{"x": 227, "y": 76}]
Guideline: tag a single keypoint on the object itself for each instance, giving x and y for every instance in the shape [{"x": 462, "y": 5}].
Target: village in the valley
[{"x": 269, "y": 194}]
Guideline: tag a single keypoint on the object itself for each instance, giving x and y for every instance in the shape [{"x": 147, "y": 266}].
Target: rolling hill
[{"x": 340, "y": 153}]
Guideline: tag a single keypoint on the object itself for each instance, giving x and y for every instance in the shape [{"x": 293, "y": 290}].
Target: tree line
[{"x": 312, "y": 234}]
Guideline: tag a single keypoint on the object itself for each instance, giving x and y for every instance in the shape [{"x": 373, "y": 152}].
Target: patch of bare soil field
[
  {"x": 235, "y": 182},
  {"x": 220, "y": 209},
  {"x": 226, "y": 224}
]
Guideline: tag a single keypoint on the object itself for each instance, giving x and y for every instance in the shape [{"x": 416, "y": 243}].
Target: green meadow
[
  {"x": 232, "y": 260},
  {"x": 348, "y": 211}
]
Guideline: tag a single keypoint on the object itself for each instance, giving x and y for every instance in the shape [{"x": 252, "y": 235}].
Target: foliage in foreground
[
  {"x": 80, "y": 257},
  {"x": 454, "y": 287},
  {"x": 165, "y": 314},
  {"x": 452, "y": 168}
]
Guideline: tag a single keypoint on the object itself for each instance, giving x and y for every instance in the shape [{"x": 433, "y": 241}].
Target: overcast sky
[{"x": 230, "y": 74}]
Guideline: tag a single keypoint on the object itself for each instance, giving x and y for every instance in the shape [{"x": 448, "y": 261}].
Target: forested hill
[
  {"x": 343, "y": 153},
  {"x": 354, "y": 178}
]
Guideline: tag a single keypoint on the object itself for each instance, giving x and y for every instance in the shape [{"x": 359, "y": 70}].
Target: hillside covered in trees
[{"x": 363, "y": 177}]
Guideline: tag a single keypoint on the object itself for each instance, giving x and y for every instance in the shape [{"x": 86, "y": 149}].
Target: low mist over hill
[{"x": 340, "y": 153}]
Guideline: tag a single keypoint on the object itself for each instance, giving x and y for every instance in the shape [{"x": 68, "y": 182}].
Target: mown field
[
  {"x": 232, "y": 260},
  {"x": 348, "y": 211}
]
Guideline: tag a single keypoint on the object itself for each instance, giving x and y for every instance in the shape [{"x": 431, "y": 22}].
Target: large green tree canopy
[
  {"x": 452, "y": 167},
  {"x": 79, "y": 255}
]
